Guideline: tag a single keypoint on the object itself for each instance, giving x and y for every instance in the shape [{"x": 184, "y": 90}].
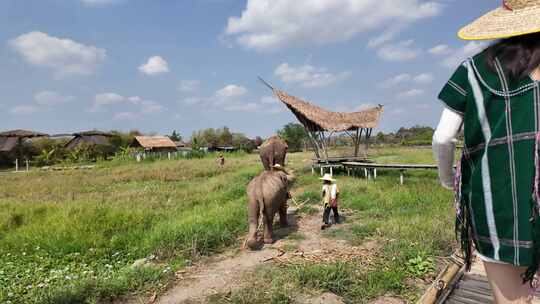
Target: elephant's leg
[
  {"x": 283, "y": 222},
  {"x": 253, "y": 223},
  {"x": 268, "y": 227}
]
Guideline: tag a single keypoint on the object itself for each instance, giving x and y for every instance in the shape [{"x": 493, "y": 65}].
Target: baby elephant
[{"x": 267, "y": 195}]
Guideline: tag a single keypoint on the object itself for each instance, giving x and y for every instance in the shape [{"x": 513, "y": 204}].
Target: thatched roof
[
  {"x": 22, "y": 134},
  {"x": 92, "y": 133},
  {"x": 315, "y": 118},
  {"x": 8, "y": 143},
  {"x": 154, "y": 142},
  {"x": 93, "y": 140}
]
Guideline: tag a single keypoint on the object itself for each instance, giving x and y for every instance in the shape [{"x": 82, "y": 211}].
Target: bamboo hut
[
  {"x": 11, "y": 140},
  {"x": 154, "y": 143},
  {"x": 322, "y": 124}
]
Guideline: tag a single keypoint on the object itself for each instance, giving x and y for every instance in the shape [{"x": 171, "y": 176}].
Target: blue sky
[{"x": 158, "y": 66}]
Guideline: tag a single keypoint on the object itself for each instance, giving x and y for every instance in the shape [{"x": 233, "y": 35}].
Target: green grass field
[{"x": 72, "y": 236}]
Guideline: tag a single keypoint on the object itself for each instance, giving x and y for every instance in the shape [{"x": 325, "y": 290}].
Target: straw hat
[
  {"x": 513, "y": 18},
  {"x": 327, "y": 177}
]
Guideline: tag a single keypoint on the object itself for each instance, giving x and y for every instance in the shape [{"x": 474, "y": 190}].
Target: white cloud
[
  {"x": 98, "y": 2},
  {"x": 410, "y": 93},
  {"x": 422, "y": 78},
  {"x": 51, "y": 98},
  {"x": 24, "y": 110},
  {"x": 135, "y": 99},
  {"x": 64, "y": 56},
  {"x": 105, "y": 99},
  {"x": 398, "y": 79},
  {"x": 231, "y": 91},
  {"x": 308, "y": 76},
  {"x": 242, "y": 107},
  {"x": 189, "y": 85},
  {"x": 126, "y": 116},
  {"x": 400, "y": 51},
  {"x": 385, "y": 36},
  {"x": 194, "y": 100},
  {"x": 273, "y": 24},
  {"x": 459, "y": 55},
  {"x": 154, "y": 66},
  {"x": 139, "y": 105},
  {"x": 441, "y": 49},
  {"x": 151, "y": 107}
]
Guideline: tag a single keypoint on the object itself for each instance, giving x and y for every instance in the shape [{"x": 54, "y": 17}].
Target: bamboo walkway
[{"x": 473, "y": 288}]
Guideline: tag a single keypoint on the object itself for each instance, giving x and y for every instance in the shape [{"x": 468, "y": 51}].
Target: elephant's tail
[
  {"x": 260, "y": 201},
  {"x": 261, "y": 214}
]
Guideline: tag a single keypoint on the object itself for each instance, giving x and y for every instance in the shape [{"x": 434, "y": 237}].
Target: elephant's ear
[{"x": 284, "y": 177}]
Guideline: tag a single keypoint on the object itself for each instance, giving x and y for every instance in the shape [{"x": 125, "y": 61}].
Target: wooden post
[
  {"x": 365, "y": 173},
  {"x": 356, "y": 143},
  {"x": 27, "y": 166},
  {"x": 368, "y": 136},
  {"x": 16, "y": 165},
  {"x": 169, "y": 155},
  {"x": 331, "y": 171},
  {"x": 401, "y": 177},
  {"x": 312, "y": 169},
  {"x": 375, "y": 173},
  {"x": 322, "y": 170}
]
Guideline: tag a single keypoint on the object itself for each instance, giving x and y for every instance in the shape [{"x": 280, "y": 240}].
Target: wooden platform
[
  {"x": 473, "y": 288},
  {"x": 332, "y": 163},
  {"x": 340, "y": 159},
  {"x": 370, "y": 169}
]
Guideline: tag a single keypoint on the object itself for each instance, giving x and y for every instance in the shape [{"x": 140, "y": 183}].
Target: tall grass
[
  {"x": 74, "y": 235},
  {"x": 71, "y": 237},
  {"x": 411, "y": 224}
]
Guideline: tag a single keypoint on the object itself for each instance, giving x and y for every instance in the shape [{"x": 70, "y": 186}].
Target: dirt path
[{"x": 224, "y": 273}]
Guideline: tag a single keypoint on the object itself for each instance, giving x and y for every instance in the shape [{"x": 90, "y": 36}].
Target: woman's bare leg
[{"x": 507, "y": 284}]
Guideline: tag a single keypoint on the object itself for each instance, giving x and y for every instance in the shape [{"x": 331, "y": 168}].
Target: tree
[
  {"x": 241, "y": 142},
  {"x": 225, "y": 137},
  {"x": 175, "y": 136},
  {"x": 295, "y": 135},
  {"x": 210, "y": 138}
]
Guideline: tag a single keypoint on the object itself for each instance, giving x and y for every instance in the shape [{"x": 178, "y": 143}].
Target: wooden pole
[
  {"x": 313, "y": 143},
  {"x": 325, "y": 148},
  {"x": 368, "y": 135},
  {"x": 27, "y": 166},
  {"x": 356, "y": 144},
  {"x": 443, "y": 284},
  {"x": 16, "y": 165}
]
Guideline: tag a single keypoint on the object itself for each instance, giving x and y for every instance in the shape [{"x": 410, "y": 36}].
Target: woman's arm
[{"x": 444, "y": 145}]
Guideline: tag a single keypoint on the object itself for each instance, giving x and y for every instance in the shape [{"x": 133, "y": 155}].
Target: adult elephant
[
  {"x": 273, "y": 152},
  {"x": 267, "y": 195}
]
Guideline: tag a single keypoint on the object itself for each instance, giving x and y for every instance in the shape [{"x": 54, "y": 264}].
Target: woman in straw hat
[
  {"x": 495, "y": 95},
  {"x": 330, "y": 194}
]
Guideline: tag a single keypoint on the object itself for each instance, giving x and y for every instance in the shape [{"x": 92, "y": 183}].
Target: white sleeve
[{"x": 444, "y": 145}]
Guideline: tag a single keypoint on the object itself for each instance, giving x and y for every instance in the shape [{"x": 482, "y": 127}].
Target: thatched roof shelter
[
  {"x": 9, "y": 140},
  {"x": 154, "y": 143},
  {"x": 315, "y": 118},
  {"x": 93, "y": 137},
  {"x": 22, "y": 134},
  {"x": 318, "y": 122},
  {"x": 7, "y": 144}
]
